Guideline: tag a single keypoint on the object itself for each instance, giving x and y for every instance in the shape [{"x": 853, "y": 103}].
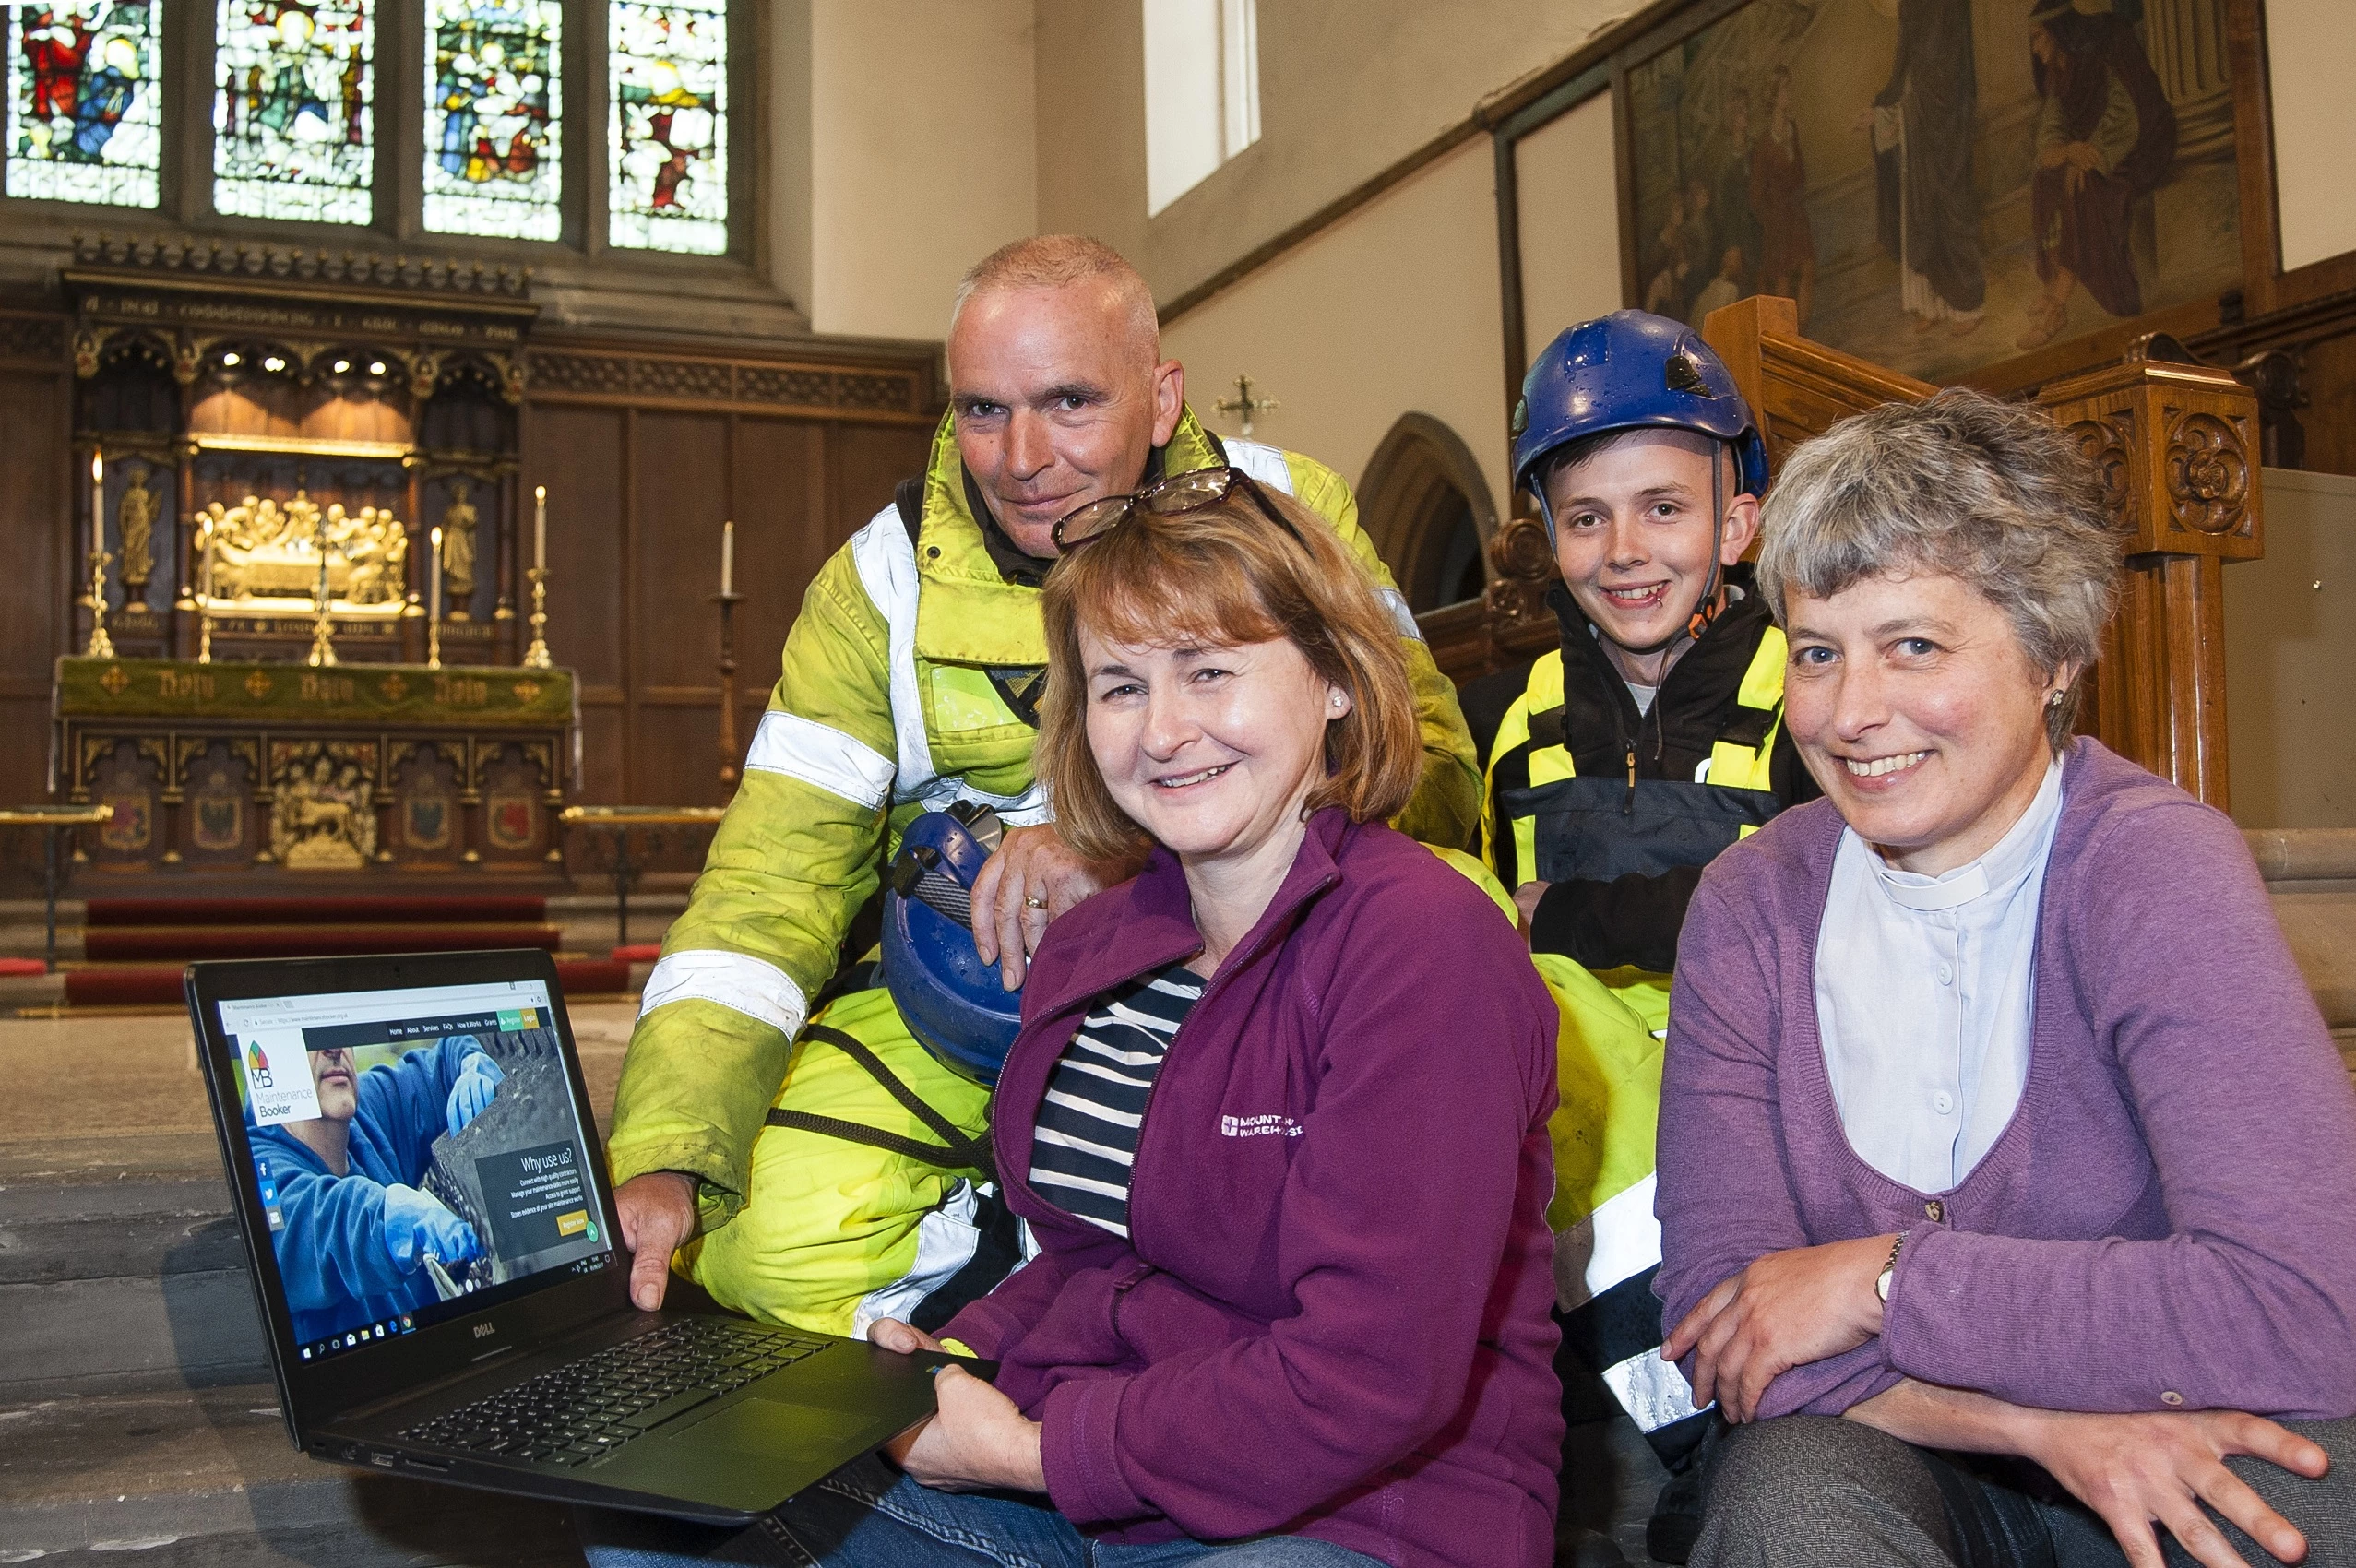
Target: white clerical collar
[{"x": 2000, "y": 870}]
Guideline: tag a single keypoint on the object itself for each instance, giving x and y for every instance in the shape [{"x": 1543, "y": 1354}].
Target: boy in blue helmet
[{"x": 1623, "y": 762}]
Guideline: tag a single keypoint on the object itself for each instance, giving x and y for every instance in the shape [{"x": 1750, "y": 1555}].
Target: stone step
[{"x": 208, "y": 1479}]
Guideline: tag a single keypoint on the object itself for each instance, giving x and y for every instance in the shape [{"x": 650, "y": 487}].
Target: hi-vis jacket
[
  {"x": 1620, "y": 811},
  {"x": 887, "y": 708}
]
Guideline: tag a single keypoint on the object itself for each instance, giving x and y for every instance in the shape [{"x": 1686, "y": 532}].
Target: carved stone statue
[
  {"x": 458, "y": 521},
  {"x": 321, "y": 817},
  {"x": 264, "y": 550},
  {"x": 134, "y": 522}
]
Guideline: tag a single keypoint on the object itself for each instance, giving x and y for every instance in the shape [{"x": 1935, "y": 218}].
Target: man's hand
[
  {"x": 1033, "y": 877},
  {"x": 1786, "y": 1310},
  {"x": 1526, "y": 899},
  {"x": 473, "y": 1092},
  {"x": 2135, "y": 1470},
  {"x": 658, "y": 1213}
]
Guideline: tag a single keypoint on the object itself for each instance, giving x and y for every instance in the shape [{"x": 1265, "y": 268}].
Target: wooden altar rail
[{"x": 2176, "y": 446}]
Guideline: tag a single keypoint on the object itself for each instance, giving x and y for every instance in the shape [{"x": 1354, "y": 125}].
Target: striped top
[{"x": 1086, "y": 1140}]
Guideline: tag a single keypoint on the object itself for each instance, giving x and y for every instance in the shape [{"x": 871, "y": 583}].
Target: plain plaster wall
[
  {"x": 2290, "y": 642},
  {"x": 1345, "y": 91},
  {"x": 922, "y": 154},
  {"x": 2311, "y": 59},
  {"x": 1393, "y": 309},
  {"x": 1568, "y": 207}
]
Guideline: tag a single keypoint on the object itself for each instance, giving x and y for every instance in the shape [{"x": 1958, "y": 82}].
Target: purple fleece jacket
[
  {"x": 1332, "y": 1319},
  {"x": 2172, "y": 1210}
]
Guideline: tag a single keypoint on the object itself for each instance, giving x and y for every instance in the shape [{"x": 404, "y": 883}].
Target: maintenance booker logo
[{"x": 284, "y": 1092}]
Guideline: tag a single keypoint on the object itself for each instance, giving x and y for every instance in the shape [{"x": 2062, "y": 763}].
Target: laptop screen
[{"x": 417, "y": 1152}]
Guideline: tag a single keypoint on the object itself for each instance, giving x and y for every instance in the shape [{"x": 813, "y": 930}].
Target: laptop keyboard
[{"x": 584, "y": 1411}]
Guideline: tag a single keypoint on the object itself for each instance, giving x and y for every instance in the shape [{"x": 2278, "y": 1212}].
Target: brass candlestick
[
  {"x": 101, "y": 646},
  {"x": 727, "y": 603},
  {"x": 536, "y": 656},
  {"x": 433, "y": 643},
  {"x": 205, "y": 603},
  {"x": 323, "y": 626}
]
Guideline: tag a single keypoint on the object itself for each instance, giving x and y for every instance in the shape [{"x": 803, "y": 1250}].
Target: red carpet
[
  {"x": 134, "y": 948},
  {"x": 158, "y": 986},
  {"x": 318, "y": 938},
  {"x": 432, "y": 908}
]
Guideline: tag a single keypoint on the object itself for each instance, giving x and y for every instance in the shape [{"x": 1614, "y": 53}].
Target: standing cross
[{"x": 1245, "y": 404}]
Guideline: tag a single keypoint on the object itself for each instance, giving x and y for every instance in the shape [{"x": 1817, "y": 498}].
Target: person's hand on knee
[
  {"x": 2135, "y": 1470},
  {"x": 658, "y": 1214}
]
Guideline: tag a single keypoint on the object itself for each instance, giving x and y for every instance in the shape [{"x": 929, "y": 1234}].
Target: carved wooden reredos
[{"x": 2178, "y": 444}]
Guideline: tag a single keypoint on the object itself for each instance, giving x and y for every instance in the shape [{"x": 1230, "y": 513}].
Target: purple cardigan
[
  {"x": 1333, "y": 1319},
  {"x": 2170, "y": 1220}
]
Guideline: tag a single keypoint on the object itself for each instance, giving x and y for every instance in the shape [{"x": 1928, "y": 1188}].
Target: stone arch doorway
[{"x": 1425, "y": 504}]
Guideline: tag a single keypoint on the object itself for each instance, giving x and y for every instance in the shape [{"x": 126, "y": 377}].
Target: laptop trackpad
[{"x": 780, "y": 1428}]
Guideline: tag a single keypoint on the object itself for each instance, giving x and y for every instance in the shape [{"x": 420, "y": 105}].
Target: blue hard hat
[
  {"x": 953, "y": 1003},
  {"x": 1627, "y": 371}
]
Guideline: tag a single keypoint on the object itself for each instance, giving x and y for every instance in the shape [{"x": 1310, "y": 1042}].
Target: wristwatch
[{"x": 1889, "y": 1267}]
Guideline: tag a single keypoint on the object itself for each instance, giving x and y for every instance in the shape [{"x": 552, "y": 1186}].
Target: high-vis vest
[{"x": 1565, "y": 827}]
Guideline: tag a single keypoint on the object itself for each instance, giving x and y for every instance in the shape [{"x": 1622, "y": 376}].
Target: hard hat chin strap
[{"x": 1706, "y": 607}]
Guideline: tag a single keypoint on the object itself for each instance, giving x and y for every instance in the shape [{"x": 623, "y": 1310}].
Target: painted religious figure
[
  {"x": 2105, "y": 137},
  {"x": 323, "y": 816},
  {"x": 83, "y": 109},
  {"x": 1906, "y": 169},
  {"x": 668, "y": 145},
  {"x": 292, "y": 128},
  {"x": 492, "y": 108}
]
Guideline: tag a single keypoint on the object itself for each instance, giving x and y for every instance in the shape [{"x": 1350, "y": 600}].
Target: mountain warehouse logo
[{"x": 1268, "y": 1126}]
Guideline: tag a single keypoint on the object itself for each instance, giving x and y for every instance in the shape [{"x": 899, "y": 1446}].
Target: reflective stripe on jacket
[{"x": 884, "y": 707}]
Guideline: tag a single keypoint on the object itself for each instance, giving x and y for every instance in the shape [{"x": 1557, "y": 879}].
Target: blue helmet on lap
[
  {"x": 953, "y": 1003},
  {"x": 1627, "y": 371}
]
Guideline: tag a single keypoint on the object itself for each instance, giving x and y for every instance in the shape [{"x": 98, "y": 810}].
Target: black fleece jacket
[{"x": 1634, "y": 918}]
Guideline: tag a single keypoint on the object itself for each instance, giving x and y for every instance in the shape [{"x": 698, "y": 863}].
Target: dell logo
[{"x": 485, "y": 1330}]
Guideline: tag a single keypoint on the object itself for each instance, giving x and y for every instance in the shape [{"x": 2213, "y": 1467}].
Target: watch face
[{"x": 1881, "y": 1285}]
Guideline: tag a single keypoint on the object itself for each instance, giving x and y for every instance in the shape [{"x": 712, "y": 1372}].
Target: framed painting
[{"x": 1941, "y": 185}]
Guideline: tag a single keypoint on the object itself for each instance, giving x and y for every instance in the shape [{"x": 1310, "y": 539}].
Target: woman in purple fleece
[
  {"x": 1276, "y": 1118},
  {"x": 1995, "y": 1122}
]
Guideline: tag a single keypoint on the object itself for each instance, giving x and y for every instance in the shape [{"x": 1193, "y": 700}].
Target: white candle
[
  {"x": 539, "y": 527},
  {"x": 727, "y": 557},
  {"x": 98, "y": 504},
  {"x": 434, "y": 580}
]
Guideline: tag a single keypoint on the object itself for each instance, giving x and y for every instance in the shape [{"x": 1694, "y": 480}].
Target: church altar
[{"x": 269, "y": 770}]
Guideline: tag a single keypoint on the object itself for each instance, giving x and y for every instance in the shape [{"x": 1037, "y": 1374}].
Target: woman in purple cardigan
[{"x": 1996, "y": 1122}]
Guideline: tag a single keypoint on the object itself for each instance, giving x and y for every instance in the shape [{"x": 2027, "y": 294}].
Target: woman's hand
[
  {"x": 1786, "y": 1310},
  {"x": 978, "y": 1440},
  {"x": 2135, "y": 1470}
]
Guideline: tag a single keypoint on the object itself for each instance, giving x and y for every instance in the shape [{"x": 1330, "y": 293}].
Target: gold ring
[{"x": 1034, "y": 903}]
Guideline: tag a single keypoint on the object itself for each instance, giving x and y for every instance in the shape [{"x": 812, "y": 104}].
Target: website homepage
[{"x": 414, "y": 1149}]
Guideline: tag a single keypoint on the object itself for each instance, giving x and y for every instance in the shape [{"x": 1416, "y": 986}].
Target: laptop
[{"x": 432, "y": 1236}]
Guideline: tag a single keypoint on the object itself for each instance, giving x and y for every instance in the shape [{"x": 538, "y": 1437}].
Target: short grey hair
[
  {"x": 1995, "y": 495},
  {"x": 1057, "y": 261}
]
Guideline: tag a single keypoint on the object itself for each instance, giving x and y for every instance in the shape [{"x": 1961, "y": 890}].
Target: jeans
[{"x": 866, "y": 1515}]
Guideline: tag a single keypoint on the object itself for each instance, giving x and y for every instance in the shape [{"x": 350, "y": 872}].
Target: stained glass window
[
  {"x": 83, "y": 109},
  {"x": 493, "y": 103},
  {"x": 669, "y": 66},
  {"x": 292, "y": 128}
]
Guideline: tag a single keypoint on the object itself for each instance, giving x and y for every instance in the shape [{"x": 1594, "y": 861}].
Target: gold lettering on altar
[
  {"x": 182, "y": 683},
  {"x": 329, "y": 688},
  {"x": 461, "y": 691}
]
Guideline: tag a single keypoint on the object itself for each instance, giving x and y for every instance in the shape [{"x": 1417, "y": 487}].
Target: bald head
[
  {"x": 1065, "y": 261},
  {"x": 1056, "y": 381}
]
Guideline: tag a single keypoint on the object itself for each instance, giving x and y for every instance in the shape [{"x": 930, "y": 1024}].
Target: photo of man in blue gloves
[{"x": 352, "y": 1223}]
